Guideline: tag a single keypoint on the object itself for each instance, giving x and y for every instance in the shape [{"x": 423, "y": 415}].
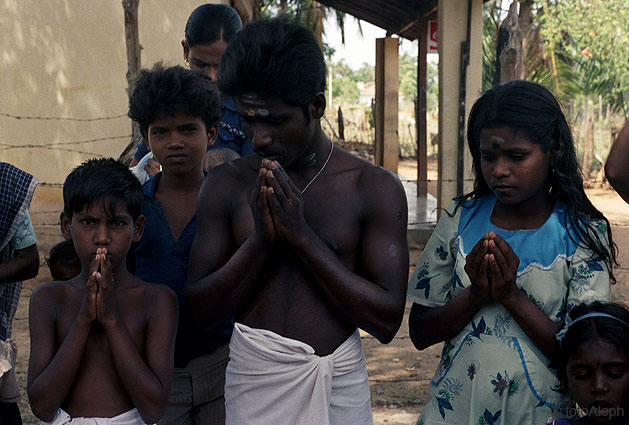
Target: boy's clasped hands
[
  {"x": 99, "y": 302},
  {"x": 492, "y": 267}
]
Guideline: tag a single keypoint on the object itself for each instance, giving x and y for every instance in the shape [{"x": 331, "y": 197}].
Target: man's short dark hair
[
  {"x": 165, "y": 91},
  {"x": 274, "y": 58},
  {"x": 104, "y": 180}
]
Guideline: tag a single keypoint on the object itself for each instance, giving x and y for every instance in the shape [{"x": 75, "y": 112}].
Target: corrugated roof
[{"x": 395, "y": 16}]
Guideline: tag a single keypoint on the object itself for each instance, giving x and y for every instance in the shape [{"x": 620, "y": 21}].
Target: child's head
[
  {"x": 527, "y": 113},
  {"x": 210, "y": 23},
  {"x": 593, "y": 361},
  {"x": 63, "y": 262},
  {"x": 532, "y": 111},
  {"x": 102, "y": 209},
  {"x": 165, "y": 92},
  {"x": 274, "y": 58},
  {"x": 102, "y": 180},
  {"x": 209, "y": 30}
]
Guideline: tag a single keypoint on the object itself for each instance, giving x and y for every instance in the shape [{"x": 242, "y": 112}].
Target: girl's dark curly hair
[
  {"x": 531, "y": 110},
  {"x": 583, "y": 332}
]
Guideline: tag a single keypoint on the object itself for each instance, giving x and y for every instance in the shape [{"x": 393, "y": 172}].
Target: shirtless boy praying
[{"x": 102, "y": 343}]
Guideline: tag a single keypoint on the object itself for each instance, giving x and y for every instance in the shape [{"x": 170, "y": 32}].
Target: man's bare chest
[{"x": 337, "y": 221}]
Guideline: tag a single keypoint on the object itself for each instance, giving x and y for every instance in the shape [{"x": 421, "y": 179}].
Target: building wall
[{"x": 67, "y": 59}]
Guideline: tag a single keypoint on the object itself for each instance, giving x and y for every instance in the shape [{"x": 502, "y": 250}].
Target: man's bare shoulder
[
  {"x": 156, "y": 295},
  {"x": 370, "y": 176}
]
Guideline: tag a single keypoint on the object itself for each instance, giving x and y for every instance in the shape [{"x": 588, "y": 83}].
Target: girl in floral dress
[{"x": 506, "y": 262}]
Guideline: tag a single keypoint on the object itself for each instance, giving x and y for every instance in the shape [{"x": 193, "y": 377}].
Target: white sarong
[
  {"x": 132, "y": 417},
  {"x": 273, "y": 380}
]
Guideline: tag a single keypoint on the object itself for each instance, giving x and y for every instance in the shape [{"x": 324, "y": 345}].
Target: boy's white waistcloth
[
  {"x": 132, "y": 417},
  {"x": 273, "y": 380}
]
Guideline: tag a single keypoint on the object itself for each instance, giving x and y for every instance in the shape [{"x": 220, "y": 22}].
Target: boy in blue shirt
[
  {"x": 178, "y": 113},
  {"x": 209, "y": 30}
]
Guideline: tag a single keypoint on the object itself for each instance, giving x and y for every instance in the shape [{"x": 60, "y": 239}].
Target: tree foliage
[
  {"x": 491, "y": 21},
  {"x": 573, "y": 47},
  {"x": 594, "y": 35},
  {"x": 344, "y": 87},
  {"x": 345, "y": 80},
  {"x": 408, "y": 76},
  {"x": 408, "y": 81}
]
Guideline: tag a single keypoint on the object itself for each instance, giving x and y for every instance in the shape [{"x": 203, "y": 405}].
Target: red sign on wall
[{"x": 432, "y": 37}]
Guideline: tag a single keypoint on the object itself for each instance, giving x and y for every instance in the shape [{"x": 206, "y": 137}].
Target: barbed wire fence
[
  {"x": 355, "y": 129},
  {"x": 41, "y": 118},
  {"x": 63, "y": 146},
  {"x": 361, "y": 132},
  {"x": 45, "y": 219}
]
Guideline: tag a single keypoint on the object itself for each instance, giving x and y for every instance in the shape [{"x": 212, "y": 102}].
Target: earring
[{"x": 187, "y": 63}]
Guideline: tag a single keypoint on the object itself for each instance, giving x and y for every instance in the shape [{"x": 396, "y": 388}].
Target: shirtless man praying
[{"x": 303, "y": 243}]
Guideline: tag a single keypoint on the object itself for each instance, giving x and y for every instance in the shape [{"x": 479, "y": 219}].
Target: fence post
[
  {"x": 134, "y": 50},
  {"x": 341, "y": 124}
]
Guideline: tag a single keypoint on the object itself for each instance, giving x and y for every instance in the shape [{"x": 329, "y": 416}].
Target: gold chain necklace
[{"x": 321, "y": 170}]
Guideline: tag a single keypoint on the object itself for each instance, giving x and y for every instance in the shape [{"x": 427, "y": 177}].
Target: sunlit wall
[{"x": 67, "y": 59}]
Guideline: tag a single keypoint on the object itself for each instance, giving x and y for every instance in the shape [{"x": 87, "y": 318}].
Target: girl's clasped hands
[{"x": 492, "y": 267}]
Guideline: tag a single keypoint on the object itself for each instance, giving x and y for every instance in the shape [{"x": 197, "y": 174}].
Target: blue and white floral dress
[{"x": 491, "y": 372}]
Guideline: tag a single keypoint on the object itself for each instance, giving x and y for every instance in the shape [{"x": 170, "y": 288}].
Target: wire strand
[{"x": 39, "y": 118}]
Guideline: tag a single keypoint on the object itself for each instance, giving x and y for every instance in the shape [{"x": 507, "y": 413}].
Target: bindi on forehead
[
  {"x": 255, "y": 112},
  {"x": 253, "y": 106},
  {"x": 496, "y": 142}
]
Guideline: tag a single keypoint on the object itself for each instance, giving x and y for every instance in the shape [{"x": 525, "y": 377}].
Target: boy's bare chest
[{"x": 130, "y": 311}]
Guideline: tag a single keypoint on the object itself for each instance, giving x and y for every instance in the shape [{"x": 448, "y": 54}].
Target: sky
[{"x": 358, "y": 48}]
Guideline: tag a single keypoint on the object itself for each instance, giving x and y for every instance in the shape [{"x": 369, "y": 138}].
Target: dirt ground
[{"x": 399, "y": 374}]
